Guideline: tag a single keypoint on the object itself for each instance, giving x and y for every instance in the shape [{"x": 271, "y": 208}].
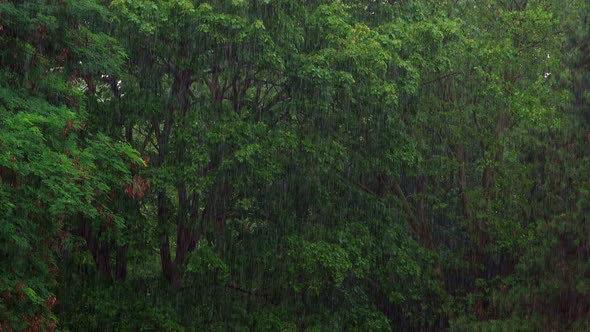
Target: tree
[
  {"x": 294, "y": 165},
  {"x": 54, "y": 173}
]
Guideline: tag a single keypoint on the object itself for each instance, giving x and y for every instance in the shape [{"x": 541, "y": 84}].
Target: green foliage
[
  {"x": 205, "y": 264},
  {"x": 53, "y": 171},
  {"x": 315, "y": 264},
  {"x": 294, "y": 165}
]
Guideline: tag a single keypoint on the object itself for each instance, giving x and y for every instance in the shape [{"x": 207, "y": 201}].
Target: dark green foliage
[
  {"x": 283, "y": 165},
  {"x": 53, "y": 172}
]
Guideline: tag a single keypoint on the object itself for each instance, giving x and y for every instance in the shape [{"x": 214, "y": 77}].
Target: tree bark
[
  {"x": 121, "y": 268},
  {"x": 179, "y": 100},
  {"x": 463, "y": 181},
  {"x": 100, "y": 251}
]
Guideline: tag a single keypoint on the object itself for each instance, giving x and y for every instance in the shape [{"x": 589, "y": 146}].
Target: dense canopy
[{"x": 294, "y": 165}]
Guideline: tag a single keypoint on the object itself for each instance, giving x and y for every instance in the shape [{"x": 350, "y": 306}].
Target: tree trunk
[
  {"x": 170, "y": 269},
  {"x": 121, "y": 268},
  {"x": 463, "y": 182},
  {"x": 179, "y": 100},
  {"x": 100, "y": 251}
]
